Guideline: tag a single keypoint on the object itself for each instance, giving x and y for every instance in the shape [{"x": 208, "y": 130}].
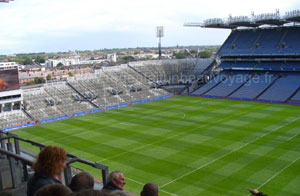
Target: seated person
[
  {"x": 81, "y": 181},
  {"x": 115, "y": 181},
  {"x": 256, "y": 192},
  {"x": 92, "y": 192},
  {"x": 48, "y": 167},
  {"x": 150, "y": 189}
]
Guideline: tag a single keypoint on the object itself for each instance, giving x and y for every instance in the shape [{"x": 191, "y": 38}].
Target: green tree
[
  {"x": 193, "y": 52},
  {"x": 128, "y": 58},
  {"x": 179, "y": 55},
  {"x": 204, "y": 54},
  {"x": 38, "y": 80},
  {"x": 48, "y": 77},
  {"x": 40, "y": 60},
  {"x": 25, "y": 61},
  {"x": 70, "y": 74}
]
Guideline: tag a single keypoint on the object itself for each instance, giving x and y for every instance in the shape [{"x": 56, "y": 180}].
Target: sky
[{"x": 61, "y": 25}]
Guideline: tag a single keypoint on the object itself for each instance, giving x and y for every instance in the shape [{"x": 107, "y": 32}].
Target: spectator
[
  {"x": 88, "y": 192},
  {"x": 53, "y": 190},
  {"x": 150, "y": 189},
  {"x": 81, "y": 181},
  {"x": 48, "y": 168},
  {"x": 256, "y": 192},
  {"x": 117, "y": 193},
  {"x": 115, "y": 181},
  {"x": 92, "y": 192}
]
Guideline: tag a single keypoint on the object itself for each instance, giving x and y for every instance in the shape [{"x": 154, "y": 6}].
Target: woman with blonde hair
[{"x": 48, "y": 167}]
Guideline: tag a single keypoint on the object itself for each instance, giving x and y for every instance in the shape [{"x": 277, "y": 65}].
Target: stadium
[{"x": 194, "y": 126}]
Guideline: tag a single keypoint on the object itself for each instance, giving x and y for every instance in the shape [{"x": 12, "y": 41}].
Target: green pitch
[{"x": 189, "y": 145}]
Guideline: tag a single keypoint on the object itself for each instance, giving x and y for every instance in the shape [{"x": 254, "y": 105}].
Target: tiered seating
[
  {"x": 244, "y": 42},
  {"x": 262, "y": 42},
  {"x": 36, "y": 105},
  {"x": 255, "y": 86},
  {"x": 269, "y": 41},
  {"x": 229, "y": 42},
  {"x": 291, "y": 66},
  {"x": 291, "y": 41},
  {"x": 283, "y": 88},
  {"x": 141, "y": 68},
  {"x": 64, "y": 99},
  {"x": 119, "y": 78},
  {"x": 202, "y": 65},
  {"x": 296, "y": 97},
  {"x": 231, "y": 83},
  {"x": 271, "y": 66},
  {"x": 238, "y": 65},
  {"x": 12, "y": 118},
  {"x": 171, "y": 68},
  {"x": 173, "y": 71},
  {"x": 215, "y": 81},
  {"x": 187, "y": 68},
  {"x": 157, "y": 70}
]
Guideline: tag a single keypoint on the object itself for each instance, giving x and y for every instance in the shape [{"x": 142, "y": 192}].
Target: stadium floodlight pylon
[{"x": 159, "y": 34}]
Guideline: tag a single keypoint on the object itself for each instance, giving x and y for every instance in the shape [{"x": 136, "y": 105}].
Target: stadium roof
[{"x": 245, "y": 21}]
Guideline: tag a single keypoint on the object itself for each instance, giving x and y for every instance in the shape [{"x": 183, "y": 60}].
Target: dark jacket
[
  {"x": 261, "y": 194},
  {"x": 111, "y": 187},
  {"x": 37, "y": 181}
]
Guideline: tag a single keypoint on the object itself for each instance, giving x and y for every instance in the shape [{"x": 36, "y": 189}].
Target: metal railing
[{"x": 10, "y": 147}]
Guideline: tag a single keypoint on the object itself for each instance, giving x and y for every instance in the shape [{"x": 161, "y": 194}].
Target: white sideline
[
  {"x": 275, "y": 175},
  {"x": 143, "y": 184},
  {"x": 227, "y": 153},
  {"x": 293, "y": 137}
]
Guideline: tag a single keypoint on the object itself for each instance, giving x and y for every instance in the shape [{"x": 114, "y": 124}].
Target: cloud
[{"x": 36, "y": 23}]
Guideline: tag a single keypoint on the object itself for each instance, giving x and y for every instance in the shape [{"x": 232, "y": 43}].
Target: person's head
[
  {"x": 150, "y": 189},
  {"x": 53, "y": 190},
  {"x": 117, "y": 178},
  {"x": 81, "y": 181},
  {"x": 51, "y": 161}
]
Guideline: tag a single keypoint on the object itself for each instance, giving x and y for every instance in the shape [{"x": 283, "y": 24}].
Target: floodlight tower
[{"x": 159, "y": 34}]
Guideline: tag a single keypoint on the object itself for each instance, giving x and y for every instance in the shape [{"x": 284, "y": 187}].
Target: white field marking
[
  {"x": 138, "y": 182},
  {"x": 227, "y": 153},
  {"x": 184, "y": 115},
  {"x": 292, "y": 137},
  {"x": 132, "y": 119},
  {"x": 275, "y": 175},
  {"x": 74, "y": 128},
  {"x": 172, "y": 136},
  {"x": 144, "y": 183}
]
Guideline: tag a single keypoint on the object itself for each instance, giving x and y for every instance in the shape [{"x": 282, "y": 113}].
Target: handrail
[
  {"x": 27, "y": 162},
  {"x": 17, "y": 157}
]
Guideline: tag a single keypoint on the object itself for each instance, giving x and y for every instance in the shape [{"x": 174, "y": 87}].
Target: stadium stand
[
  {"x": 107, "y": 88},
  {"x": 259, "y": 64},
  {"x": 275, "y": 41},
  {"x": 283, "y": 88},
  {"x": 229, "y": 84},
  {"x": 254, "y": 86}
]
